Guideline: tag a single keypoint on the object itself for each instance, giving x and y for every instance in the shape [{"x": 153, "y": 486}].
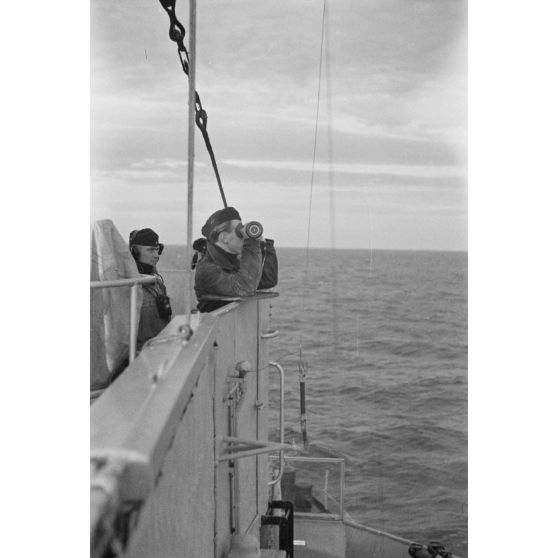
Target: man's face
[
  {"x": 231, "y": 240},
  {"x": 148, "y": 255}
]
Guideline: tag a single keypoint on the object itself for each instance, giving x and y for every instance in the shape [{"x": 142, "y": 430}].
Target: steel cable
[{"x": 177, "y": 34}]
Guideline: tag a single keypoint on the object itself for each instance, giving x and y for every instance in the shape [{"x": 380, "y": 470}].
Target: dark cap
[
  {"x": 218, "y": 218},
  {"x": 144, "y": 237}
]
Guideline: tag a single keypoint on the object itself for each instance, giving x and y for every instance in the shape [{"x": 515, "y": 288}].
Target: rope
[{"x": 177, "y": 34}]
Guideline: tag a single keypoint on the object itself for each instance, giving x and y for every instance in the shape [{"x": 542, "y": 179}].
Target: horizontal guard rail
[
  {"x": 244, "y": 442},
  {"x": 123, "y": 282},
  {"x": 132, "y": 282},
  {"x": 257, "y": 448}
]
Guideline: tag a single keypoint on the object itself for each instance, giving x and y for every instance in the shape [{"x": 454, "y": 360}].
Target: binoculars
[{"x": 252, "y": 229}]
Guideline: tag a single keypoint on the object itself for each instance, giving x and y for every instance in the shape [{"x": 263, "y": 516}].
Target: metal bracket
[
  {"x": 242, "y": 368},
  {"x": 236, "y": 383},
  {"x": 236, "y": 390},
  {"x": 270, "y": 334}
]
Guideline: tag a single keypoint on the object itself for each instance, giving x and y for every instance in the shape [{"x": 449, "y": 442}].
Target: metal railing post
[
  {"x": 281, "y": 419},
  {"x": 342, "y": 488},
  {"x": 191, "y": 157},
  {"x": 133, "y": 283},
  {"x": 133, "y": 327}
]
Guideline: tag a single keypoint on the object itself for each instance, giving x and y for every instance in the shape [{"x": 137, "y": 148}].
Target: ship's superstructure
[
  {"x": 168, "y": 438},
  {"x": 180, "y": 453}
]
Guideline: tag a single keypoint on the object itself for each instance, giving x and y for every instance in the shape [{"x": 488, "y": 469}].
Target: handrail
[
  {"x": 315, "y": 459},
  {"x": 123, "y": 282},
  {"x": 253, "y": 447},
  {"x": 270, "y": 334},
  {"x": 133, "y": 283},
  {"x": 281, "y": 419}
]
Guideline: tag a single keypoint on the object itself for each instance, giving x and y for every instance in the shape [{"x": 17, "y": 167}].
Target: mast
[
  {"x": 191, "y": 155},
  {"x": 198, "y": 116}
]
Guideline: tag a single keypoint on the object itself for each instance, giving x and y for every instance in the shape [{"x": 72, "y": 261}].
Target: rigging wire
[
  {"x": 315, "y": 140},
  {"x": 331, "y": 185},
  {"x": 177, "y": 34},
  {"x": 302, "y": 362},
  {"x": 333, "y": 346}
]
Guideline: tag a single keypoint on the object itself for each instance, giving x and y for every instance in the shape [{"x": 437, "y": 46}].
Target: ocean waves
[
  {"x": 386, "y": 388},
  {"x": 384, "y": 335}
]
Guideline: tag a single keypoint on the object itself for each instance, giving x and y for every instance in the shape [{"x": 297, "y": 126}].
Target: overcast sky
[{"x": 395, "y": 172}]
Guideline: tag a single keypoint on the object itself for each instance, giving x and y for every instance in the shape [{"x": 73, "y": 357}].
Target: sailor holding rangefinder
[{"x": 238, "y": 260}]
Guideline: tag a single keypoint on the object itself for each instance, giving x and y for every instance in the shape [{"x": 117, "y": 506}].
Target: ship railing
[
  {"x": 328, "y": 501},
  {"x": 134, "y": 285}
]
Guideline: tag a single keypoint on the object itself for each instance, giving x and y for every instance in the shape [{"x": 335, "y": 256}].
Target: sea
[{"x": 383, "y": 337}]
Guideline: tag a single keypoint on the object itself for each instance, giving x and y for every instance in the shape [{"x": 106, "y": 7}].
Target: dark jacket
[
  {"x": 228, "y": 275},
  {"x": 270, "y": 266},
  {"x": 151, "y": 322}
]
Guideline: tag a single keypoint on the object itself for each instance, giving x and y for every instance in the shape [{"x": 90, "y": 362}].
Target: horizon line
[{"x": 281, "y": 246}]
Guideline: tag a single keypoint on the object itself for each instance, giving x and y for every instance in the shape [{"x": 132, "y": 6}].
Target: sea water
[{"x": 384, "y": 334}]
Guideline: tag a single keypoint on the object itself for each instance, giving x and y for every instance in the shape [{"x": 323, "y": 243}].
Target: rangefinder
[{"x": 252, "y": 229}]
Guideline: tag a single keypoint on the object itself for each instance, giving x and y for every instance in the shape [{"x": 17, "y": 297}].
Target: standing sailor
[
  {"x": 155, "y": 310},
  {"x": 237, "y": 262}
]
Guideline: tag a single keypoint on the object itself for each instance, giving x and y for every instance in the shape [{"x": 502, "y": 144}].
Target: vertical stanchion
[
  {"x": 342, "y": 490},
  {"x": 281, "y": 420},
  {"x": 133, "y": 326},
  {"x": 191, "y": 141}
]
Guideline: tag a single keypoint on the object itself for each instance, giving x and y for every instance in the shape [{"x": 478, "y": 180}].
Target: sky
[{"x": 390, "y": 166}]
